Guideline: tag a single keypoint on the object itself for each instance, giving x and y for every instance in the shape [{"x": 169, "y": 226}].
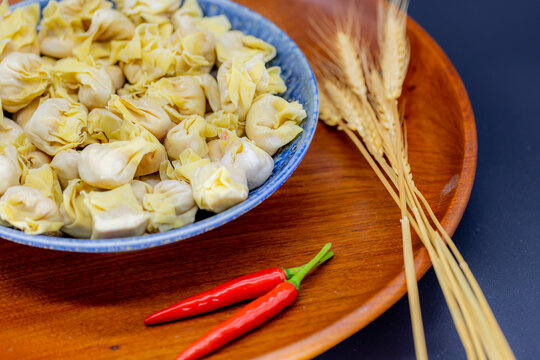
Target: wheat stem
[{"x": 359, "y": 94}]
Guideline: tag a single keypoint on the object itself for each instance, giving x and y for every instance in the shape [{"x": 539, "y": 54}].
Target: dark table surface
[{"x": 495, "y": 47}]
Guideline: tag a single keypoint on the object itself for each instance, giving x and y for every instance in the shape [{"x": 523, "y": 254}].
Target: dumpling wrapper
[
  {"x": 243, "y": 154},
  {"x": 63, "y": 21},
  {"x": 144, "y": 112},
  {"x": 171, "y": 206},
  {"x": 190, "y": 133},
  {"x": 151, "y": 179},
  {"x": 18, "y": 29},
  {"x": 198, "y": 51},
  {"x": 116, "y": 213},
  {"x": 66, "y": 166},
  {"x": 190, "y": 17},
  {"x": 211, "y": 90},
  {"x": 46, "y": 181},
  {"x": 216, "y": 188},
  {"x": 94, "y": 84},
  {"x": 146, "y": 57},
  {"x": 183, "y": 93},
  {"x": 115, "y": 73},
  {"x": 222, "y": 120},
  {"x": 151, "y": 161},
  {"x": 140, "y": 189},
  {"x": 273, "y": 122},
  {"x": 37, "y": 159},
  {"x": 150, "y": 11},
  {"x": 9, "y": 129},
  {"x": 102, "y": 125},
  {"x": 57, "y": 125},
  {"x": 10, "y": 170},
  {"x": 29, "y": 210},
  {"x": 112, "y": 164},
  {"x": 23, "y": 78},
  {"x": 106, "y": 25},
  {"x": 242, "y": 79},
  {"x": 235, "y": 44},
  {"x": 22, "y": 116},
  {"x": 184, "y": 168},
  {"x": 75, "y": 212},
  {"x": 236, "y": 89}
]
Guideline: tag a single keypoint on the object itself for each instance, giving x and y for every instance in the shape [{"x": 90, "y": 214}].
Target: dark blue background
[{"x": 495, "y": 46}]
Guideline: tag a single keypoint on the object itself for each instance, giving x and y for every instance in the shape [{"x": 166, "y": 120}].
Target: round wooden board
[{"x": 59, "y": 305}]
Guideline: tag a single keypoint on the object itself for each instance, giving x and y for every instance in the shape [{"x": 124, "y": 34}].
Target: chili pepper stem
[
  {"x": 293, "y": 271},
  {"x": 299, "y": 276}
]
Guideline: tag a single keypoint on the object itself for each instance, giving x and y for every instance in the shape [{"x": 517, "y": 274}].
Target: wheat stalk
[{"x": 359, "y": 95}]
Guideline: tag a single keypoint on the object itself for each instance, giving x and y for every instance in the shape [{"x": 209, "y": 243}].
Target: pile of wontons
[{"x": 119, "y": 129}]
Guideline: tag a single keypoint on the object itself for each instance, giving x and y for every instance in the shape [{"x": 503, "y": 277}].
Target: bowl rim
[{"x": 125, "y": 244}]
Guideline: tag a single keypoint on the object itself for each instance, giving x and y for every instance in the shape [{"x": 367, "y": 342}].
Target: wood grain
[{"x": 58, "y": 305}]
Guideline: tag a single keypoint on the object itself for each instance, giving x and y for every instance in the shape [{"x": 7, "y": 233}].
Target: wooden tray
[{"x": 57, "y": 305}]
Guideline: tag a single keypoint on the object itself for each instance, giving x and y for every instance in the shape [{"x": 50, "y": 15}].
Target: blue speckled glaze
[{"x": 301, "y": 86}]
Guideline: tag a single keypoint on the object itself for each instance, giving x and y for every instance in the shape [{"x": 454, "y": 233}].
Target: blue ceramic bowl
[{"x": 301, "y": 86}]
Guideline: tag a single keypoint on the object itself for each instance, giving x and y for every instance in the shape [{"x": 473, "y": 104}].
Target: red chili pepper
[
  {"x": 252, "y": 315},
  {"x": 245, "y": 287}
]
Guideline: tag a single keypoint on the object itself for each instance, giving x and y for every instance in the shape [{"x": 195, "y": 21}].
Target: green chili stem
[
  {"x": 299, "y": 276},
  {"x": 293, "y": 271}
]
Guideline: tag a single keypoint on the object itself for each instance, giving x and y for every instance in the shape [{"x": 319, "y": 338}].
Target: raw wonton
[
  {"x": 145, "y": 57},
  {"x": 273, "y": 122},
  {"x": 82, "y": 10},
  {"x": 75, "y": 211},
  {"x": 22, "y": 79},
  {"x": 151, "y": 11},
  {"x": 236, "y": 89},
  {"x": 184, "y": 168},
  {"x": 65, "y": 163},
  {"x": 22, "y": 116},
  {"x": 242, "y": 79},
  {"x": 107, "y": 25},
  {"x": 187, "y": 16},
  {"x": 152, "y": 179},
  {"x": 236, "y": 44},
  {"x": 190, "y": 17},
  {"x": 182, "y": 93},
  {"x": 190, "y": 133},
  {"x": 94, "y": 84},
  {"x": 222, "y": 120},
  {"x": 211, "y": 91},
  {"x": 37, "y": 159},
  {"x": 113, "y": 164},
  {"x": 151, "y": 161},
  {"x": 144, "y": 112},
  {"x": 10, "y": 170},
  {"x": 45, "y": 180},
  {"x": 102, "y": 125},
  {"x": 242, "y": 154},
  {"x": 29, "y": 210},
  {"x": 18, "y": 29},
  {"x": 56, "y": 125},
  {"x": 9, "y": 130},
  {"x": 63, "y": 21},
  {"x": 140, "y": 189},
  {"x": 116, "y": 213},
  {"x": 170, "y": 205},
  {"x": 115, "y": 73},
  {"x": 217, "y": 188},
  {"x": 198, "y": 54}
]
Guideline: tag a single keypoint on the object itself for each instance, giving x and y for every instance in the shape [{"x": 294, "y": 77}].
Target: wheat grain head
[{"x": 394, "y": 52}]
